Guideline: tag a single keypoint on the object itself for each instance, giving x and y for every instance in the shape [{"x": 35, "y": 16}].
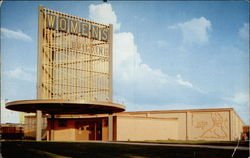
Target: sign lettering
[
  {"x": 77, "y": 27},
  {"x": 51, "y": 21},
  {"x": 63, "y": 23}
]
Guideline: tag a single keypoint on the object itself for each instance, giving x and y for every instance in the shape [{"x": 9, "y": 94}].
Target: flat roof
[
  {"x": 178, "y": 111},
  {"x": 58, "y": 106},
  {"x": 145, "y": 112}
]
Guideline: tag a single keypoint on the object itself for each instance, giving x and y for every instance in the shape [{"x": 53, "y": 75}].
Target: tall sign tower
[
  {"x": 74, "y": 58},
  {"x": 74, "y": 73}
]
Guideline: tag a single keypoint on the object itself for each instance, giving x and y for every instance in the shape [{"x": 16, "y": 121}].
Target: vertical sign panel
[{"x": 73, "y": 62}]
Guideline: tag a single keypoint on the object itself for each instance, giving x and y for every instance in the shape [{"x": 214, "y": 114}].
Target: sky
[{"x": 166, "y": 55}]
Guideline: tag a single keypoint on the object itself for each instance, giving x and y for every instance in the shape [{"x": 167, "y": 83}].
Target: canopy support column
[
  {"x": 52, "y": 122},
  {"x": 38, "y": 125},
  {"x": 110, "y": 128}
]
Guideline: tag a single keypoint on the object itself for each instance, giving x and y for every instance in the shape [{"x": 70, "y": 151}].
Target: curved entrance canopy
[{"x": 53, "y": 106}]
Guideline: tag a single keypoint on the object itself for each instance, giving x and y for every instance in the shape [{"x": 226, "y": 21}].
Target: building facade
[
  {"x": 202, "y": 124},
  {"x": 74, "y": 93}
]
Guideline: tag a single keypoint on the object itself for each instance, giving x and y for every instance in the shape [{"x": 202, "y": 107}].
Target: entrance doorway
[{"x": 88, "y": 129}]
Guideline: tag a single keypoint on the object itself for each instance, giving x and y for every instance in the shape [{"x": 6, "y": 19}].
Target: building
[
  {"x": 245, "y": 133},
  {"x": 11, "y": 131},
  {"x": 74, "y": 92},
  {"x": 197, "y": 124}
]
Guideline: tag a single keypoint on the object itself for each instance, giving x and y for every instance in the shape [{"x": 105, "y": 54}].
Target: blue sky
[{"x": 167, "y": 55}]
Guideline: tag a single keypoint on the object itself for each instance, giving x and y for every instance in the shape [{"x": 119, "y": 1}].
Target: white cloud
[
  {"x": 132, "y": 76},
  {"x": 128, "y": 65},
  {"x": 240, "y": 102},
  {"x": 137, "y": 82},
  {"x": 194, "y": 31},
  {"x": 161, "y": 43},
  {"x": 183, "y": 82},
  {"x": 172, "y": 27},
  {"x": 20, "y": 73},
  {"x": 19, "y": 35},
  {"x": 239, "y": 98},
  {"x": 244, "y": 32},
  {"x": 103, "y": 13}
]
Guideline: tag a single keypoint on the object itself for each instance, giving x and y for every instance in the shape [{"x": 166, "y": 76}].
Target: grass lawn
[{"x": 32, "y": 149}]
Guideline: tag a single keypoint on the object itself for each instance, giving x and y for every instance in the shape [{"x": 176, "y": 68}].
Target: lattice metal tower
[{"x": 74, "y": 58}]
